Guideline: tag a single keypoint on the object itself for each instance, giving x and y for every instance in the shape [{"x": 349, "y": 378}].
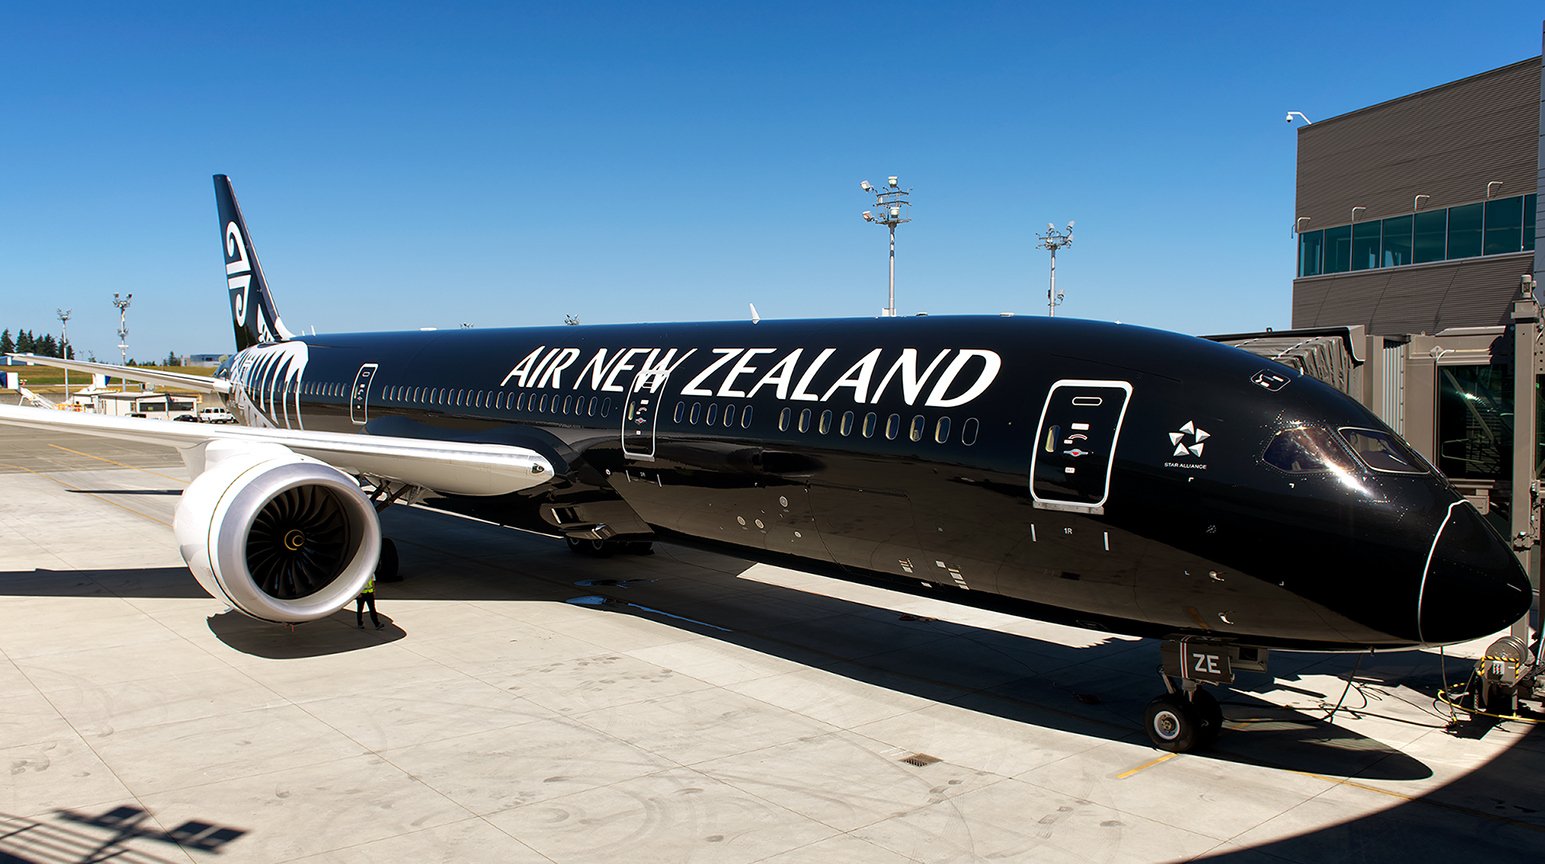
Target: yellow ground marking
[
  {"x": 1146, "y": 765},
  {"x": 1424, "y": 799},
  {"x": 92, "y": 494},
  {"x": 116, "y": 462}
]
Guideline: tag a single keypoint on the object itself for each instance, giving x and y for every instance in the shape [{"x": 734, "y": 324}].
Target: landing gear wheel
[
  {"x": 1172, "y": 723},
  {"x": 386, "y": 565},
  {"x": 590, "y": 548},
  {"x": 1209, "y": 714}
]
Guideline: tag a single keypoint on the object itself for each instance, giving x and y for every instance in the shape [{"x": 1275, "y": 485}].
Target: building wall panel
[
  {"x": 1475, "y": 292},
  {"x": 1447, "y": 142}
]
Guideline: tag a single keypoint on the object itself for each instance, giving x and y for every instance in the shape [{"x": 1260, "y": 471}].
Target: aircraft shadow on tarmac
[{"x": 1099, "y": 690}]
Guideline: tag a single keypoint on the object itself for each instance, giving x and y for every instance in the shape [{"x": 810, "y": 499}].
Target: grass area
[{"x": 46, "y": 379}]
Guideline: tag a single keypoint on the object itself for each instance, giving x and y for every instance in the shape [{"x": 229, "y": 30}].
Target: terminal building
[{"x": 1418, "y": 237}]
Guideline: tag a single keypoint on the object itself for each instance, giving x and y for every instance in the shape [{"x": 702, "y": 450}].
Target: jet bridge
[{"x": 1467, "y": 399}]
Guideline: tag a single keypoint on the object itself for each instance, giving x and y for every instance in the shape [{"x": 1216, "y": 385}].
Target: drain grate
[{"x": 920, "y": 760}]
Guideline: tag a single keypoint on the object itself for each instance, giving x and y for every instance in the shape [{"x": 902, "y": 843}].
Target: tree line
[{"x": 25, "y": 342}]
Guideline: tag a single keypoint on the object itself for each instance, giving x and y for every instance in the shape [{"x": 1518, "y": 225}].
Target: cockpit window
[
  {"x": 1306, "y": 450},
  {"x": 1383, "y": 451}
]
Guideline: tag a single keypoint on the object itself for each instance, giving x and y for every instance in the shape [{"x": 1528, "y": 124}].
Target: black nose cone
[{"x": 1474, "y": 585}]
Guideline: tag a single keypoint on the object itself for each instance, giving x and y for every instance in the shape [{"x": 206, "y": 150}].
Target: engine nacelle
[{"x": 279, "y": 536}]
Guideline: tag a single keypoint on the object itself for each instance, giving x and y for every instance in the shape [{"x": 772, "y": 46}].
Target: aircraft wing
[
  {"x": 447, "y": 467},
  {"x": 201, "y": 383}
]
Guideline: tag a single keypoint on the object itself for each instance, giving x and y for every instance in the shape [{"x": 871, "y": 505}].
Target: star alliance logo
[{"x": 1197, "y": 435}]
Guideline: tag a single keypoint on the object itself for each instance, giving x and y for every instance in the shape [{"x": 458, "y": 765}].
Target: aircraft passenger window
[
  {"x": 1306, "y": 451},
  {"x": 568, "y": 402},
  {"x": 461, "y": 398},
  {"x": 941, "y": 432},
  {"x": 591, "y": 409},
  {"x": 804, "y": 420},
  {"x": 713, "y": 414},
  {"x": 846, "y": 427},
  {"x": 892, "y": 427},
  {"x": 870, "y": 421},
  {"x": 968, "y": 431},
  {"x": 1383, "y": 451},
  {"x": 579, "y": 405},
  {"x": 606, "y": 407},
  {"x": 697, "y": 412},
  {"x": 826, "y": 422},
  {"x": 729, "y": 416},
  {"x": 783, "y": 420},
  {"x": 542, "y": 407},
  {"x": 745, "y": 418},
  {"x": 477, "y": 398},
  {"x": 918, "y": 424},
  {"x": 499, "y": 402}
]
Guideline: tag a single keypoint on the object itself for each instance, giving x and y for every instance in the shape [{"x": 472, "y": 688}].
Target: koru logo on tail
[{"x": 238, "y": 272}]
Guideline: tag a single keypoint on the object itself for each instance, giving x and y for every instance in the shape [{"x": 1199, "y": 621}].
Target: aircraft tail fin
[{"x": 252, "y": 307}]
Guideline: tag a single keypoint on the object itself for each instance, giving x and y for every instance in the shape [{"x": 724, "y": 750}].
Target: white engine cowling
[{"x": 279, "y": 536}]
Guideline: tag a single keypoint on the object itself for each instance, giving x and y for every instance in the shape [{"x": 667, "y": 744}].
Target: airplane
[{"x": 1101, "y": 475}]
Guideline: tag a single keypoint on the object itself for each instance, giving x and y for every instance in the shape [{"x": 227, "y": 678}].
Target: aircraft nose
[{"x": 1474, "y": 585}]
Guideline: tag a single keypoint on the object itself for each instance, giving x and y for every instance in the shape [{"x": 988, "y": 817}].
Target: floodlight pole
[
  {"x": 123, "y": 336},
  {"x": 888, "y": 201},
  {"x": 64, "y": 347},
  {"x": 1054, "y": 240}
]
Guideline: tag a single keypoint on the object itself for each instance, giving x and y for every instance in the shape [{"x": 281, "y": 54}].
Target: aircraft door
[
  {"x": 1075, "y": 444},
  {"x": 641, "y": 413},
  {"x": 359, "y": 396}
]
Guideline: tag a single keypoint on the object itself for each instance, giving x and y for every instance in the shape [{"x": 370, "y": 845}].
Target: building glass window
[
  {"x": 1475, "y": 422},
  {"x": 1338, "y": 249},
  {"x": 1431, "y": 237},
  {"x": 1529, "y": 205},
  {"x": 1504, "y": 226},
  {"x": 1310, "y": 246},
  {"x": 1365, "y": 245},
  {"x": 1397, "y": 242},
  {"x": 1464, "y": 231}
]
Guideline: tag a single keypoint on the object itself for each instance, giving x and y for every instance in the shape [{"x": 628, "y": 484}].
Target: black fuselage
[{"x": 1104, "y": 475}]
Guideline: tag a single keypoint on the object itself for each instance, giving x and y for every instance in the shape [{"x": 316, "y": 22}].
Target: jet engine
[{"x": 279, "y": 536}]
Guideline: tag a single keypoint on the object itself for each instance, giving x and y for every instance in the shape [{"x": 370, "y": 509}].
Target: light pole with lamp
[
  {"x": 889, "y": 202},
  {"x": 64, "y": 347},
  {"x": 1054, "y": 240},
  {"x": 123, "y": 335}
]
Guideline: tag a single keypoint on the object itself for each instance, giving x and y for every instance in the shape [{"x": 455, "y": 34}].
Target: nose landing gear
[{"x": 1186, "y": 717}]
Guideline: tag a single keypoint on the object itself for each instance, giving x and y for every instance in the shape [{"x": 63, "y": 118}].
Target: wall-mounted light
[
  {"x": 1355, "y": 211},
  {"x": 1491, "y": 185},
  {"x": 1416, "y": 203}
]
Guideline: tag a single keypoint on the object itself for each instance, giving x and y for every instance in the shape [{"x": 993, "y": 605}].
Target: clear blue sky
[{"x": 507, "y": 163}]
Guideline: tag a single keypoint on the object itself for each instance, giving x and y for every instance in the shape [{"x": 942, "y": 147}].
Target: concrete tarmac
[{"x": 687, "y": 708}]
